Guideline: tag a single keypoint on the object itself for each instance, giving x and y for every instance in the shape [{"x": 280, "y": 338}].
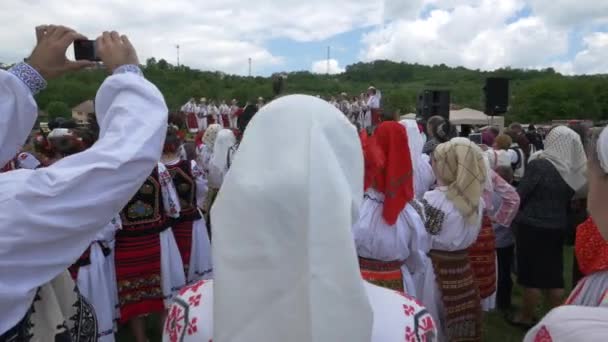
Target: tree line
[{"x": 536, "y": 95}]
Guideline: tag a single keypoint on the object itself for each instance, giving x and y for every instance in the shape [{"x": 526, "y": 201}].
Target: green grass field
[{"x": 496, "y": 329}]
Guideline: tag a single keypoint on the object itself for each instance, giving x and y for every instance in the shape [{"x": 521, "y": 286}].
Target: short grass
[{"x": 496, "y": 329}]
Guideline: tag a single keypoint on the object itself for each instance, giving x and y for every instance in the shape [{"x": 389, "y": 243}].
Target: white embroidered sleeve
[
  {"x": 169, "y": 194},
  {"x": 49, "y": 216},
  {"x": 201, "y": 184}
]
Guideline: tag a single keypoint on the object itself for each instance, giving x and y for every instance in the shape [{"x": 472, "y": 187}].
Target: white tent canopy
[{"x": 468, "y": 116}]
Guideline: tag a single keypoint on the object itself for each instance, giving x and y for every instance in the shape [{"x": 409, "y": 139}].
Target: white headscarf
[
  {"x": 564, "y": 149},
  {"x": 602, "y": 150},
  {"x": 225, "y": 139},
  {"x": 286, "y": 265},
  {"x": 423, "y": 172}
]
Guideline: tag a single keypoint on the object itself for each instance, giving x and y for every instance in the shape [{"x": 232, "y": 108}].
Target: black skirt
[{"x": 540, "y": 259}]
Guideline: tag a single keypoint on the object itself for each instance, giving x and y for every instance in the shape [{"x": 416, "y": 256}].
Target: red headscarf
[
  {"x": 591, "y": 249},
  {"x": 372, "y": 157},
  {"x": 394, "y": 173}
]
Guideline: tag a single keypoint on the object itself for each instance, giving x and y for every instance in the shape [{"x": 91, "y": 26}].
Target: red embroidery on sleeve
[{"x": 543, "y": 335}]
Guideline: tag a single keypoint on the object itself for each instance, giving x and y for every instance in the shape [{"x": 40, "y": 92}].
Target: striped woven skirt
[
  {"x": 382, "y": 273},
  {"x": 483, "y": 259},
  {"x": 138, "y": 274},
  {"x": 459, "y": 294}
]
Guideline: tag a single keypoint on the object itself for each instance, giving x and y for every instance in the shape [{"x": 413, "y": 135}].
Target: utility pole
[
  {"x": 177, "y": 47},
  {"x": 249, "y": 66},
  {"x": 328, "y": 57}
]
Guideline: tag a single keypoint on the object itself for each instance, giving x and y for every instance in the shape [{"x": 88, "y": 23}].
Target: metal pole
[
  {"x": 177, "y": 47},
  {"x": 249, "y": 66}
]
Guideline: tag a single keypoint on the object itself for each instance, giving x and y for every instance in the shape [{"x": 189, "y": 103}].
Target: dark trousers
[{"x": 505, "y": 283}]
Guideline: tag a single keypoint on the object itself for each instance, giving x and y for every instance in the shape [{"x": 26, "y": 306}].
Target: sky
[{"x": 570, "y": 36}]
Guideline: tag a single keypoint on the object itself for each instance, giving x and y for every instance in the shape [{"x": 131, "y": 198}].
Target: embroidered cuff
[
  {"x": 128, "y": 68},
  {"x": 29, "y": 76}
]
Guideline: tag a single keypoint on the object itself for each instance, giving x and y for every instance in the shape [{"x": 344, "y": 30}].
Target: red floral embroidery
[
  {"x": 195, "y": 300},
  {"x": 427, "y": 324},
  {"x": 174, "y": 326},
  {"x": 194, "y": 287},
  {"x": 410, "y": 335},
  {"x": 408, "y": 310},
  {"x": 543, "y": 335},
  {"x": 192, "y": 327}
]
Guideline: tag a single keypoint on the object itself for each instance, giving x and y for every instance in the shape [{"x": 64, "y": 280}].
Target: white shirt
[
  {"x": 49, "y": 216},
  {"x": 224, "y": 109},
  {"x": 374, "y": 102},
  {"x": 455, "y": 233}
]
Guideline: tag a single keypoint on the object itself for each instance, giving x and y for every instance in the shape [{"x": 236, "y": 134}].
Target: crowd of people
[
  {"x": 363, "y": 110},
  {"x": 296, "y": 220}
]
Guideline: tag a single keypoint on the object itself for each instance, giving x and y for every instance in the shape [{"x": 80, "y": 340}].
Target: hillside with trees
[{"x": 536, "y": 95}]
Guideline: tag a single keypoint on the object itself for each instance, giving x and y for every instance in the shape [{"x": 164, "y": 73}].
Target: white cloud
[
  {"x": 591, "y": 60},
  {"x": 475, "y": 34},
  {"x": 571, "y": 12},
  {"x": 321, "y": 67},
  {"x": 223, "y": 34},
  {"x": 213, "y": 34}
]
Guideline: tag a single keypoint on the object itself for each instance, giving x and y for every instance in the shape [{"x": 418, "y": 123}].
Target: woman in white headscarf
[
  {"x": 286, "y": 262},
  {"x": 219, "y": 161},
  {"x": 579, "y": 322},
  {"x": 424, "y": 177},
  {"x": 552, "y": 178},
  {"x": 206, "y": 146}
]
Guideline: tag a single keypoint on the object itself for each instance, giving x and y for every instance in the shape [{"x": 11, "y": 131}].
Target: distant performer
[
  {"x": 373, "y": 105},
  {"x": 189, "y": 110}
]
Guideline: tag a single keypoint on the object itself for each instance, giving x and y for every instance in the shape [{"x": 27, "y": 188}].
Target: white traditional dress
[
  {"x": 189, "y": 109},
  {"x": 202, "y": 112},
  {"x": 56, "y": 222},
  {"x": 294, "y": 277},
  {"x": 190, "y": 228},
  {"x": 224, "y": 115},
  {"x": 214, "y": 115},
  {"x": 95, "y": 276},
  {"x": 234, "y": 109}
]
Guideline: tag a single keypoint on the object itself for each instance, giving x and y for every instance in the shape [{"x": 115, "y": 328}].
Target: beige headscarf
[
  {"x": 283, "y": 251},
  {"x": 564, "y": 149},
  {"x": 211, "y": 135},
  {"x": 460, "y": 165}
]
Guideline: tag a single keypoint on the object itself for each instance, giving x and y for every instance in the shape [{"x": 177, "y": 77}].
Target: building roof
[{"x": 87, "y": 106}]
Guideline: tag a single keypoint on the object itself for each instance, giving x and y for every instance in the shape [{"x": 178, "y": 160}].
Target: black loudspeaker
[
  {"x": 433, "y": 102},
  {"x": 497, "y": 95}
]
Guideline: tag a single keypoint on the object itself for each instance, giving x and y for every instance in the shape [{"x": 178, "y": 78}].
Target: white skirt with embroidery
[
  {"x": 171, "y": 266},
  {"x": 95, "y": 284},
  {"x": 201, "y": 266}
]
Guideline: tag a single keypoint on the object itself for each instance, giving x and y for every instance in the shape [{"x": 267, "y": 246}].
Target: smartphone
[
  {"x": 85, "y": 49},
  {"x": 475, "y": 137}
]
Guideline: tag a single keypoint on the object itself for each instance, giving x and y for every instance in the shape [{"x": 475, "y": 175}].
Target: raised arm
[{"x": 49, "y": 216}]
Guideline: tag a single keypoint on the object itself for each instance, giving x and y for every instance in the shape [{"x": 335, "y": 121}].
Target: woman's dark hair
[
  {"x": 172, "y": 140},
  {"x": 245, "y": 117},
  {"x": 190, "y": 149},
  {"x": 432, "y": 123},
  {"x": 444, "y": 132}
]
